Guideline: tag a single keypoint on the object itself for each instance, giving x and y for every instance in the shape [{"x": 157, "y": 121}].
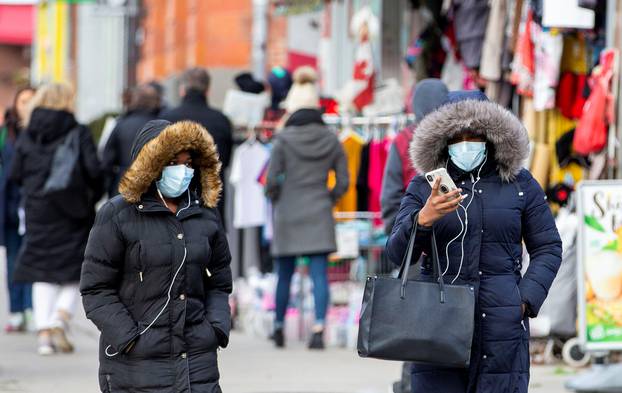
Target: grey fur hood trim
[{"x": 428, "y": 149}]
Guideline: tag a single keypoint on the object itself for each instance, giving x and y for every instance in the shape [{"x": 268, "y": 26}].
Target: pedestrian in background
[
  {"x": 480, "y": 229},
  {"x": 156, "y": 277},
  {"x": 428, "y": 96},
  {"x": 57, "y": 223},
  {"x": 303, "y": 154},
  {"x": 143, "y": 106},
  {"x": 20, "y": 294},
  {"x": 194, "y": 89}
]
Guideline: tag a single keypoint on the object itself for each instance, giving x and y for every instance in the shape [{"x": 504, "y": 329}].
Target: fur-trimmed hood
[
  {"x": 428, "y": 149},
  {"x": 157, "y": 144}
]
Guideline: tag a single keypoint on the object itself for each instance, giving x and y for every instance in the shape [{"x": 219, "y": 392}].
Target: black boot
[
  {"x": 278, "y": 338},
  {"x": 317, "y": 341}
]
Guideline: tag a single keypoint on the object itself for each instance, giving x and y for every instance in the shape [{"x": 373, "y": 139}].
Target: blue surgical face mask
[
  {"x": 467, "y": 155},
  {"x": 175, "y": 180}
]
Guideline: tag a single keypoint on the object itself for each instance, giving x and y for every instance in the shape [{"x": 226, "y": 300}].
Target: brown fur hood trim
[{"x": 157, "y": 153}]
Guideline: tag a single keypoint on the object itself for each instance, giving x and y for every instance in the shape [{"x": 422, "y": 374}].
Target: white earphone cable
[
  {"x": 464, "y": 226},
  {"x": 168, "y": 300}
]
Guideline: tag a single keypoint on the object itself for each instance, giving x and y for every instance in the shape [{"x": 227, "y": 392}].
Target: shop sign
[
  {"x": 296, "y": 7},
  {"x": 600, "y": 264}
]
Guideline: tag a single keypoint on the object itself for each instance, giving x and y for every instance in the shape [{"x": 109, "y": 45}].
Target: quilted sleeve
[
  {"x": 219, "y": 286},
  {"x": 543, "y": 245},
  {"x": 412, "y": 203},
  {"x": 101, "y": 275}
]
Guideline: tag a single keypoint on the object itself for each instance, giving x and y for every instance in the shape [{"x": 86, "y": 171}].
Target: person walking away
[
  {"x": 156, "y": 278},
  {"x": 195, "y": 84},
  {"x": 428, "y": 96},
  {"x": 303, "y": 154},
  {"x": 143, "y": 107},
  {"x": 480, "y": 229},
  {"x": 20, "y": 294},
  {"x": 57, "y": 222}
]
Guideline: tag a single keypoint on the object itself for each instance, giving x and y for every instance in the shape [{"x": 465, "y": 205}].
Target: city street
[{"x": 249, "y": 365}]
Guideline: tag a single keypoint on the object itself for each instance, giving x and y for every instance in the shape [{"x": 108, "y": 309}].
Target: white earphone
[{"x": 464, "y": 226}]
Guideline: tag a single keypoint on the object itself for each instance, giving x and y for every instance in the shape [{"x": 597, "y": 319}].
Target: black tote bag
[
  {"x": 64, "y": 164},
  {"x": 417, "y": 321}
]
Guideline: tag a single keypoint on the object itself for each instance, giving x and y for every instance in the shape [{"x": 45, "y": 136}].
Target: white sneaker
[{"x": 45, "y": 347}]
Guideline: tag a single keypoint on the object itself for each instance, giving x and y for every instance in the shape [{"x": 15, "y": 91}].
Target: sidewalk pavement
[{"x": 249, "y": 365}]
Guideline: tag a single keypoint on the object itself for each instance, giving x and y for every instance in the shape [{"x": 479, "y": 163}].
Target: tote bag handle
[{"x": 405, "y": 266}]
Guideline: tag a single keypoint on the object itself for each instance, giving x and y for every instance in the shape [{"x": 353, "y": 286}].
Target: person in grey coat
[
  {"x": 429, "y": 95},
  {"x": 302, "y": 156}
]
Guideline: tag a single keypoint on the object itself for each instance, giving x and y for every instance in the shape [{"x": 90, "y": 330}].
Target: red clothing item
[
  {"x": 570, "y": 100},
  {"x": 402, "y": 144},
  {"x": 378, "y": 153},
  {"x": 591, "y": 133}
]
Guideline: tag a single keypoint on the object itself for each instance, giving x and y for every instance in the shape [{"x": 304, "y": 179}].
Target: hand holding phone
[
  {"x": 447, "y": 184},
  {"x": 444, "y": 199}
]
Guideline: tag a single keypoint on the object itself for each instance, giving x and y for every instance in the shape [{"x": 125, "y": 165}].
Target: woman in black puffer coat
[
  {"x": 156, "y": 277},
  {"x": 57, "y": 223}
]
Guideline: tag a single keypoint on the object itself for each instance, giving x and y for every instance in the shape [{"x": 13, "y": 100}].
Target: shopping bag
[{"x": 420, "y": 321}]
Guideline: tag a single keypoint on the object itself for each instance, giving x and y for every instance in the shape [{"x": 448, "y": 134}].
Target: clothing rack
[{"x": 402, "y": 118}]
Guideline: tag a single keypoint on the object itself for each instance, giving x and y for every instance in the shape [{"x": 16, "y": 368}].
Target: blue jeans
[
  {"x": 20, "y": 295},
  {"x": 318, "y": 271}
]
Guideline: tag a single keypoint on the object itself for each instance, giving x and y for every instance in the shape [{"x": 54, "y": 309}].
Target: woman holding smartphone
[{"x": 480, "y": 229}]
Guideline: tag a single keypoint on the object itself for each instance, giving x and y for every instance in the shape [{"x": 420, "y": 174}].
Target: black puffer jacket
[
  {"x": 159, "y": 280},
  {"x": 57, "y": 225}
]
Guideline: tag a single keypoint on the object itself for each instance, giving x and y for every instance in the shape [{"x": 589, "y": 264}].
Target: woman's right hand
[{"x": 438, "y": 205}]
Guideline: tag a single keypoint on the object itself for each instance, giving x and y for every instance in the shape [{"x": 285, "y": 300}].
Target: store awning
[{"x": 16, "y": 24}]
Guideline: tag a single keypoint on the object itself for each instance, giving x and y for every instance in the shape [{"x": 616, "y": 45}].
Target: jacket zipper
[
  {"x": 108, "y": 383},
  {"x": 140, "y": 263},
  {"x": 522, "y": 321}
]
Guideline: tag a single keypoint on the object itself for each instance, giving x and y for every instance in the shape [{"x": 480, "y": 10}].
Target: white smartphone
[{"x": 447, "y": 184}]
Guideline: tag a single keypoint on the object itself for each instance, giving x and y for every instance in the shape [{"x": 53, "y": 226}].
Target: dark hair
[
  {"x": 11, "y": 118},
  {"x": 144, "y": 98},
  {"x": 196, "y": 79},
  {"x": 157, "y": 86}
]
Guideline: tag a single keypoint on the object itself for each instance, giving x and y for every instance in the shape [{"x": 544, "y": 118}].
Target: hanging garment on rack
[
  {"x": 575, "y": 57},
  {"x": 352, "y": 146},
  {"x": 523, "y": 67},
  {"x": 362, "y": 181},
  {"x": 402, "y": 144},
  {"x": 378, "y": 153},
  {"x": 571, "y": 94},
  {"x": 592, "y": 130},
  {"x": 549, "y": 46},
  {"x": 470, "y": 21},
  {"x": 249, "y": 160}
]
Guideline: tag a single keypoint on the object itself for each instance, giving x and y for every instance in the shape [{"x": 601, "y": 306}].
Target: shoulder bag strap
[{"x": 405, "y": 266}]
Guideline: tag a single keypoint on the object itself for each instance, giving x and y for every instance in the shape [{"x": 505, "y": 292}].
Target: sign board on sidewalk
[{"x": 600, "y": 264}]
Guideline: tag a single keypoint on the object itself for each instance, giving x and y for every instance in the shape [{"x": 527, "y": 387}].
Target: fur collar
[
  {"x": 428, "y": 149},
  {"x": 158, "y": 152}
]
